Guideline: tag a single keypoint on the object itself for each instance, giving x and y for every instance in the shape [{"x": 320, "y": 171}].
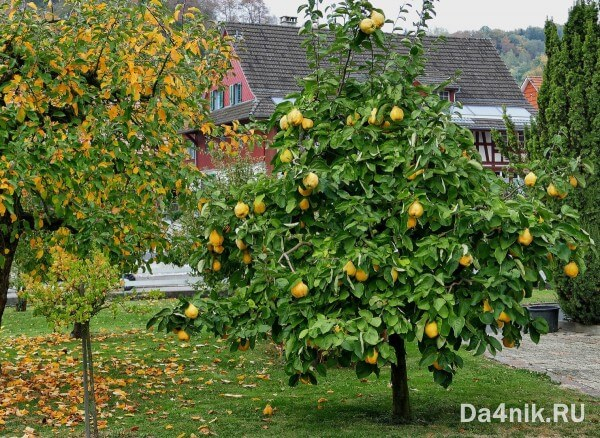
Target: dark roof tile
[{"x": 273, "y": 61}]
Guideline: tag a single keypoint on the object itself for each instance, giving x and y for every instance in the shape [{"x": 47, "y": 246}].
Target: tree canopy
[
  {"x": 90, "y": 108},
  {"x": 380, "y": 225}
]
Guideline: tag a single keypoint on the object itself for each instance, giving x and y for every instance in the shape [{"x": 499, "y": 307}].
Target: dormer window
[
  {"x": 445, "y": 95},
  {"x": 235, "y": 94}
]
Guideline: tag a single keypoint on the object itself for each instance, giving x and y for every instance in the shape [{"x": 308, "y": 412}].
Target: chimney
[{"x": 288, "y": 21}]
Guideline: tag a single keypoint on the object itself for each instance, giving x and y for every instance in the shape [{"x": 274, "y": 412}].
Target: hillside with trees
[
  {"x": 246, "y": 11},
  {"x": 522, "y": 50}
]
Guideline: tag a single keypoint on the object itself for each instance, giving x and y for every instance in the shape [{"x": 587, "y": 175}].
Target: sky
[{"x": 454, "y": 15}]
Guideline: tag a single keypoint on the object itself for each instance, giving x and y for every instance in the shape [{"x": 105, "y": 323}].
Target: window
[
  {"x": 235, "y": 94},
  {"x": 192, "y": 152},
  {"x": 217, "y": 99},
  {"x": 444, "y": 95}
]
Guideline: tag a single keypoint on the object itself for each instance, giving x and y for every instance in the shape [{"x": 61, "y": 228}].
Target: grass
[
  {"x": 540, "y": 296},
  {"x": 150, "y": 385}
]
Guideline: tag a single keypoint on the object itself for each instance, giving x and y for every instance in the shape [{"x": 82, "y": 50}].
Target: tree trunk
[
  {"x": 6, "y": 243},
  {"x": 400, "y": 402},
  {"x": 77, "y": 332},
  {"x": 89, "y": 396},
  {"x": 21, "y": 305}
]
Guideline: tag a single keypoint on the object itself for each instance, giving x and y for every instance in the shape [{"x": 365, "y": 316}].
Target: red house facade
[
  {"x": 271, "y": 60},
  {"x": 530, "y": 89}
]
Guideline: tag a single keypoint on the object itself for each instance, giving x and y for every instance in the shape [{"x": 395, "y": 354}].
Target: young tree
[
  {"x": 382, "y": 229},
  {"x": 568, "y": 125},
  {"x": 74, "y": 291},
  {"x": 90, "y": 108}
]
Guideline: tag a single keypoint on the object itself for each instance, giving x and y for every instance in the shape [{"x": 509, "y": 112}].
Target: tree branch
[
  {"x": 457, "y": 283},
  {"x": 287, "y": 253}
]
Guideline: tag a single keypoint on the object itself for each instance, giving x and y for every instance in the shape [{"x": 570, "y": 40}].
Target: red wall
[
  {"x": 531, "y": 95},
  {"x": 236, "y": 75}
]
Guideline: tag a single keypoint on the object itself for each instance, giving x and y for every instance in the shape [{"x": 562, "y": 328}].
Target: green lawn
[
  {"x": 150, "y": 385},
  {"x": 542, "y": 296}
]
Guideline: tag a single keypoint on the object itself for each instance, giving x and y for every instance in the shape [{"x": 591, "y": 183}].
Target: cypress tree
[
  {"x": 549, "y": 99},
  {"x": 569, "y": 106}
]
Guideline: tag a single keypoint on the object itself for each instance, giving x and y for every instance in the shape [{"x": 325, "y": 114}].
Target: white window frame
[
  {"x": 235, "y": 94},
  {"x": 217, "y": 99},
  {"x": 445, "y": 95},
  {"x": 192, "y": 152}
]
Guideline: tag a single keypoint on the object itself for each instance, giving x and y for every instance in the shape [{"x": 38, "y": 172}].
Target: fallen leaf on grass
[
  {"x": 268, "y": 410},
  {"x": 120, "y": 393}
]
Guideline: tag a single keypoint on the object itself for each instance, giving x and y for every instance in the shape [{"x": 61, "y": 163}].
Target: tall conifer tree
[{"x": 569, "y": 106}]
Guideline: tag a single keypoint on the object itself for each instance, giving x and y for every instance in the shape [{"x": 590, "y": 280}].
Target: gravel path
[{"x": 572, "y": 359}]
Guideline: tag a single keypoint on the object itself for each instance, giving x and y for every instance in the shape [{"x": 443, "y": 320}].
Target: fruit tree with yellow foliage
[{"x": 90, "y": 108}]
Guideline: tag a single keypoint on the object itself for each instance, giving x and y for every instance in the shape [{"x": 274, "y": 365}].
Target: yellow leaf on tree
[
  {"x": 162, "y": 115},
  {"x": 39, "y": 254},
  {"x": 175, "y": 55},
  {"x": 21, "y": 115},
  {"x": 113, "y": 112}
]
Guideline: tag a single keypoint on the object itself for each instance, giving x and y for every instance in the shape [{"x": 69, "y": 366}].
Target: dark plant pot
[{"x": 547, "y": 311}]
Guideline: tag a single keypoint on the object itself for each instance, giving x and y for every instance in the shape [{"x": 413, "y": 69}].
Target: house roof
[
  {"x": 536, "y": 81},
  {"x": 273, "y": 59}
]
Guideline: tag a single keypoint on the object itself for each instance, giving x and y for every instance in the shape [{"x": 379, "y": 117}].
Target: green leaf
[
  {"x": 494, "y": 343},
  {"x": 151, "y": 322},
  {"x": 486, "y": 318},
  {"x": 438, "y": 303},
  {"x": 294, "y": 379},
  {"x": 364, "y": 370},
  {"x": 376, "y": 322},
  {"x": 476, "y": 164},
  {"x": 457, "y": 323},
  {"x": 534, "y": 335},
  {"x": 540, "y": 324},
  {"x": 371, "y": 336}
]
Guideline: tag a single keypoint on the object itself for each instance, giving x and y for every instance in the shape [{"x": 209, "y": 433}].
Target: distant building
[
  {"x": 271, "y": 60},
  {"x": 530, "y": 89}
]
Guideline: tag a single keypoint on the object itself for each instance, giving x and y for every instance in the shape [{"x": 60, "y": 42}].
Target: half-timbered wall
[{"x": 490, "y": 155}]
